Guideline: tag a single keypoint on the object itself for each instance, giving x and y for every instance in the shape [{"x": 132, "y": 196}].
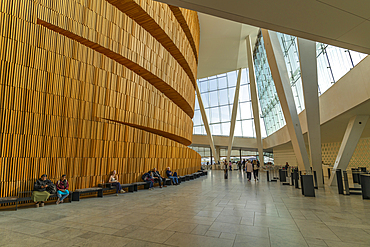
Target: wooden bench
[
  {"x": 26, "y": 196},
  {"x": 110, "y": 186},
  {"x": 12, "y": 199},
  {"x": 145, "y": 184},
  {"x": 203, "y": 172},
  {"x": 77, "y": 193}
]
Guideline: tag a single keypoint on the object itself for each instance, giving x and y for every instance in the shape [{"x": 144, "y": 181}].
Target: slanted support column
[
  {"x": 254, "y": 98},
  {"x": 206, "y": 125},
  {"x": 280, "y": 76},
  {"x": 308, "y": 62},
  {"x": 351, "y": 137},
  {"x": 233, "y": 116}
]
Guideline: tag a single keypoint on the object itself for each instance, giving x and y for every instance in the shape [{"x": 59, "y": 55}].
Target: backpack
[
  {"x": 145, "y": 176},
  {"x": 52, "y": 188}
]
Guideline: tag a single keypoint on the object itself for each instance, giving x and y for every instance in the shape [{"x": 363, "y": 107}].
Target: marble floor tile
[
  {"x": 208, "y": 211},
  {"x": 189, "y": 240}
]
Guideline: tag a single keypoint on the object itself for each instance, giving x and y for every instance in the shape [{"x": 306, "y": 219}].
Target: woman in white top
[{"x": 113, "y": 179}]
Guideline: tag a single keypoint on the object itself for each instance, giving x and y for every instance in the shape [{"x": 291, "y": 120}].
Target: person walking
[
  {"x": 249, "y": 169},
  {"x": 240, "y": 166},
  {"x": 255, "y": 169},
  {"x": 230, "y": 164}
]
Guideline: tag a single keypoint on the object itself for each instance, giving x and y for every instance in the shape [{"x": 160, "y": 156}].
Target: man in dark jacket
[
  {"x": 40, "y": 193},
  {"x": 157, "y": 178},
  {"x": 62, "y": 186}
]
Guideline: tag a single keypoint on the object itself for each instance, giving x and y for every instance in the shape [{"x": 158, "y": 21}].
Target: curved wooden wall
[
  {"x": 189, "y": 22},
  {"x": 86, "y": 89}
]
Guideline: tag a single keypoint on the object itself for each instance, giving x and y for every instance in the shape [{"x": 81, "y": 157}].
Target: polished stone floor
[{"x": 208, "y": 211}]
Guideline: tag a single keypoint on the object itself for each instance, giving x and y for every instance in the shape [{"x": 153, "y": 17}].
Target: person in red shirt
[{"x": 62, "y": 186}]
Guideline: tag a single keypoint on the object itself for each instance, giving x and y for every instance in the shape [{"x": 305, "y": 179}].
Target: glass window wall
[
  {"x": 218, "y": 93},
  {"x": 332, "y": 64}
]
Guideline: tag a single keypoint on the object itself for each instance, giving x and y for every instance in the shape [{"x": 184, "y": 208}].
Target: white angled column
[
  {"x": 351, "y": 137},
  {"x": 280, "y": 76},
  {"x": 233, "y": 115},
  {"x": 254, "y": 98},
  {"x": 308, "y": 62},
  {"x": 206, "y": 125}
]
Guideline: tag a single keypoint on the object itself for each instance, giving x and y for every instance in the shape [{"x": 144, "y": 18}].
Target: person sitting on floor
[
  {"x": 172, "y": 176},
  {"x": 39, "y": 193},
  {"x": 62, "y": 187},
  {"x": 113, "y": 179},
  {"x": 147, "y": 178},
  {"x": 158, "y": 178}
]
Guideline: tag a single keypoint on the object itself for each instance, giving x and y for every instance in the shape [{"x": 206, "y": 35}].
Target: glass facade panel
[
  {"x": 332, "y": 64},
  {"x": 219, "y": 103}
]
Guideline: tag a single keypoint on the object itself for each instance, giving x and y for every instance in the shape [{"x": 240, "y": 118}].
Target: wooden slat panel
[{"x": 54, "y": 92}]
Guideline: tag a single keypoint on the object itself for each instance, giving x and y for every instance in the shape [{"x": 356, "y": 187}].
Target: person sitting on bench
[
  {"x": 147, "y": 178},
  {"x": 157, "y": 178},
  {"x": 113, "y": 179},
  {"x": 62, "y": 187},
  {"x": 39, "y": 193},
  {"x": 172, "y": 176}
]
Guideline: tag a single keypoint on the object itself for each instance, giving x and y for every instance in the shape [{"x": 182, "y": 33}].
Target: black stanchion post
[
  {"x": 329, "y": 172},
  {"x": 296, "y": 178},
  {"x": 365, "y": 186},
  {"x": 282, "y": 175},
  {"x": 225, "y": 171},
  {"x": 307, "y": 185},
  {"x": 315, "y": 179},
  {"x": 268, "y": 176},
  {"x": 292, "y": 178},
  {"x": 339, "y": 181},
  {"x": 323, "y": 181},
  {"x": 346, "y": 185},
  {"x": 301, "y": 184}
]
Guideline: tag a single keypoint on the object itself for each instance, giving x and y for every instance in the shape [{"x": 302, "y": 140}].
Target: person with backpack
[
  {"x": 62, "y": 187},
  {"x": 40, "y": 193},
  {"x": 147, "y": 178},
  {"x": 113, "y": 179},
  {"x": 173, "y": 176}
]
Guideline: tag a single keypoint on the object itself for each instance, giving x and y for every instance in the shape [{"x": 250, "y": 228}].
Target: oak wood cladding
[
  {"x": 54, "y": 92},
  {"x": 142, "y": 49},
  {"x": 156, "y": 19},
  {"x": 147, "y": 75},
  {"x": 189, "y": 22}
]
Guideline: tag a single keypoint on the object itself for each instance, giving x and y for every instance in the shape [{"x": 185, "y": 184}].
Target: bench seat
[
  {"x": 109, "y": 186},
  {"x": 182, "y": 178},
  {"x": 76, "y": 194},
  {"x": 145, "y": 184}
]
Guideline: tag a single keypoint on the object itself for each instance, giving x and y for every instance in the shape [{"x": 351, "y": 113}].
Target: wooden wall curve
[
  {"x": 115, "y": 29},
  {"x": 157, "y": 19},
  {"x": 54, "y": 92},
  {"x": 189, "y": 22}
]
